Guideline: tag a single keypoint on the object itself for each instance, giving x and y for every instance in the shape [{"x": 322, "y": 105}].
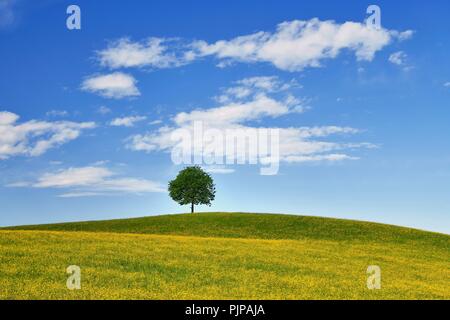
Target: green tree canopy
[{"x": 192, "y": 186}]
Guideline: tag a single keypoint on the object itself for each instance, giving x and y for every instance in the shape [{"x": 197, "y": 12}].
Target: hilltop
[{"x": 223, "y": 256}]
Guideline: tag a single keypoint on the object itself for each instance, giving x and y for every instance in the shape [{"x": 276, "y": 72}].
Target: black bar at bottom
[{"x": 212, "y": 309}]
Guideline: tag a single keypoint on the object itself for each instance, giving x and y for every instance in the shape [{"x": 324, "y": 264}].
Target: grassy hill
[{"x": 223, "y": 256}]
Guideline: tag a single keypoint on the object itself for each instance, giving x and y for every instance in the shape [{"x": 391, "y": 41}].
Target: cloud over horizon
[{"x": 91, "y": 181}]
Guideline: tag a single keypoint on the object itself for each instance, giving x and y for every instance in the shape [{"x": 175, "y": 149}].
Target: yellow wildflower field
[{"x": 33, "y": 265}]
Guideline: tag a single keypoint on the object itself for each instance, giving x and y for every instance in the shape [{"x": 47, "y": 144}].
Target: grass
[{"x": 223, "y": 256}]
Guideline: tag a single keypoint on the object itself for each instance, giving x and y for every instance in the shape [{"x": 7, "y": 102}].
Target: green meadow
[{"x": 223, "y": 256}]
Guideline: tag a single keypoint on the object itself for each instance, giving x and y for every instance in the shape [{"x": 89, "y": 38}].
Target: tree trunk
[{"x": 192, "y": 207}]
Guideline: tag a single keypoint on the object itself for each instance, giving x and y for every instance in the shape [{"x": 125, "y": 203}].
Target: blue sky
[{"x": 85, "y": 114}]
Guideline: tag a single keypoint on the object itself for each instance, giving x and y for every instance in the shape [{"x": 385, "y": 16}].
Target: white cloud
[
  {"x": 92, "y": 181},
  {"x": 254, "y": 85},
  {"x": 57, "y": 113},
  {"x": 8, "y": 118},
  {"x": 402, "y": 36},
  {"x": 155, "y": 122},
  {"x": 295, "y": 144},
  {"x": 268, "y": 84},
  {"x": 315, "y": 158},
  {"x": 236, "y": 112},
  {"x": 299, "y": 44},
  {"x": 33, "y": 138},
  {"x": 398, "y": 58},
  {"x": 73, "y": 177},
  {"x": 294, "y": 46},
  {"x": 127, "y": 121},
  {"x": 249, "y": 99},
  {"x": 299, "y": 144},
  {"x": 116, "y": 85},
  {"x": 303, "y": 144},
  {"x": 18, "y": 184},
  {"x": 103, "y": 110},
  {"x": 81, "y": 194},
  {"x": 219, "y": 170},
  {"x": 152, "y": 52}
]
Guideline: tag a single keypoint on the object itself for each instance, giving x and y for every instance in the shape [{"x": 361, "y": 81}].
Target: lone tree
[{"x": 192, "y": 186}]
